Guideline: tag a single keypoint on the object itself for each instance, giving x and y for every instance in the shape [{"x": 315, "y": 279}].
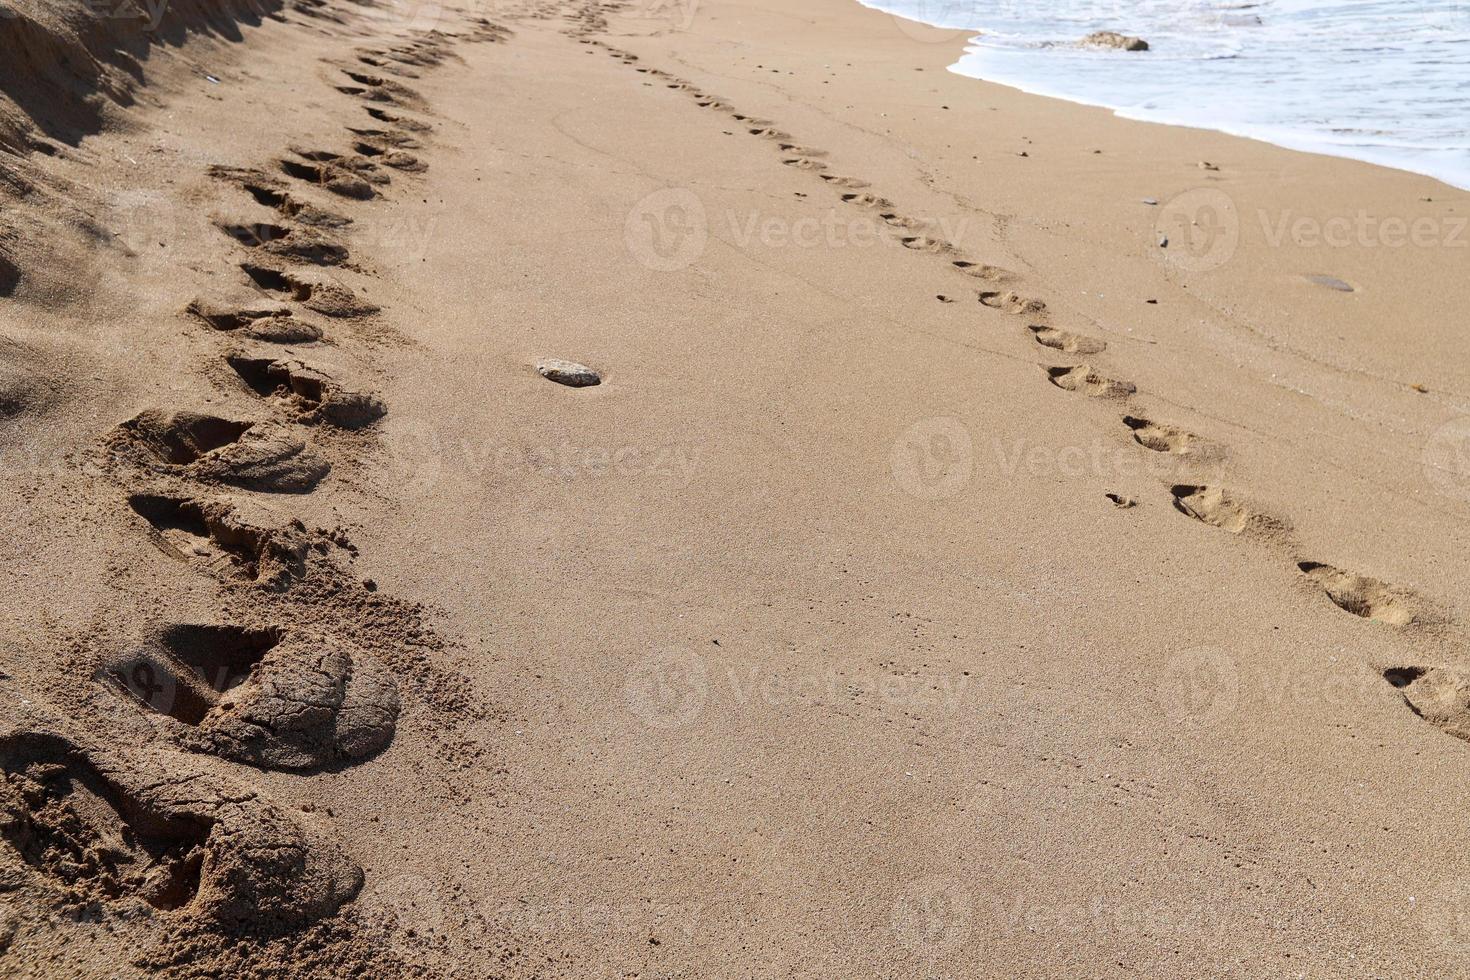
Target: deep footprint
[
  {"x": 314, "y": 396},
  {"x": 278, "y": 699},
  {"x": 258, "y": 456},
  {"x": 212, "y": 534}
]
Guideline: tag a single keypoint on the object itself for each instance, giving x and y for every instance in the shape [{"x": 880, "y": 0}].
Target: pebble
[{"x": 568, "y": 373}]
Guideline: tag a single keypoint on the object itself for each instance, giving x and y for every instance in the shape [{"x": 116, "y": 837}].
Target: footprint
[
  {"x": 1366, "y": 597},
  {"x": 1070, "y": 343},
  {"x": 272, "y": 194},
  {"x": 851, "y": 183},
  {"x": 1162, "y": 438},
  {"x": 865, "y": 200},
  {"x": 922, "y": 243},
  {"x": 380, "y": 89},
  {"x": 269, "y": 322},
  {"x": 899, "y": 221},
  {"x": 325, "y": 296},
  {"x": 397, "y": 159},
  {"x": 332, "y": 178},
  {"x": 387, "y": 137},
  {"x": 977, "y": 270},
  {"x": 1011, "y": 303},
  {"x": 211, "y": 533},
  {"x": 1084, "y": 380},
  {"x": 290, "y": 243},
  {"x": 91, "y": 831},
  {"x": 1439, "y": 695},
  {"x": 259, "y": 456},
  {"x": 797, "y": 149},
  {"x": 765, "y": 132},
  {"x": 309, "y": 392},
  {"x": 402, "y": 122},
  {"x": 804, "y": 163},
  {"x": 1218, "y": 508},
  {"x": 291, "y": 699},
  {"x": 1121, "y": 502}
]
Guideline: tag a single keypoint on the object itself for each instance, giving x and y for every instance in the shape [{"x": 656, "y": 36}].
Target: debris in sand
[{"x": 568, "y": 373}]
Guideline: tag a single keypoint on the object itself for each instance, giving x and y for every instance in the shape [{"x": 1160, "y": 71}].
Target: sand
[{"x": 1002, "y": 541}]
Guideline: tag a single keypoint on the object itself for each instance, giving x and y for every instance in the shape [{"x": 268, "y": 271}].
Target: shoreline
[{"x": 1457, "y": 179}]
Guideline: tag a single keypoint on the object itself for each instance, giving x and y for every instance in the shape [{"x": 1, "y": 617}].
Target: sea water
[{"x": 1387, "y": 81}]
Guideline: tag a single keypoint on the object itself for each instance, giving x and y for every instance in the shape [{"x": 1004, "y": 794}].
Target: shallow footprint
[
  {"x": 979, "y": 270},
  {"x": 267, "y": 321},
  {"x": 1217, "y": 507},
  {"x": 1085, "y": 380},
  {"x": 1070, "y": 343},
  {"x": 851, "y": 183},
  {"x": 1439, "y": 695},
  {"x": 1366, "y": 597},
  {"x": 1011, "y": 303},
  {"x": 1162, "y": 438}
]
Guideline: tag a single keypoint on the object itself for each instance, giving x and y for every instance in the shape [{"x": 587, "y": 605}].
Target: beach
[{"x": 1003, "y": 540}]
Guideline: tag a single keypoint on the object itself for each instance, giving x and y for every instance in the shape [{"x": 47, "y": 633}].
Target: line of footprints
[
  {"x": 311, "y": 688},
  {"x": 1440, "y": 694}
]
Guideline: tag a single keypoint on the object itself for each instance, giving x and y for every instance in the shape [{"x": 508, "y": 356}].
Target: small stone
[
  {"x": 1152, "y": 202},
  {"x": 1163, "y": 241},
  {"x": 1112, "y": 39},
  {"x": 1331, "y": 282},
  {"x": 568, "y": 373}
]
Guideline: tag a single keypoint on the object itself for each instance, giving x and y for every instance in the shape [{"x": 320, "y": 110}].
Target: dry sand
[{"x": 964, "y": 568}]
